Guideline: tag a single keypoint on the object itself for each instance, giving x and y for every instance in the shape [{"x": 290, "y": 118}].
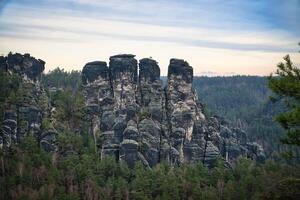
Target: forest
[
  {"x": 245, "y": 102},
  {"x": 149, "y": 100},
  {"x": 76, "y": 170},
  {"x": 30, "y": 173}
]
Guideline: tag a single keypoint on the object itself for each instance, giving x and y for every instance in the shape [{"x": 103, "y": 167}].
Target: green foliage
[
  {"x": 285, "y": 189},
  {"x": 59, "y": 78},
  {"x": 77, "y": 171},
  {"x": 70, "y": 142},
  {"x": 244, "y": 102},
  {"x": 70, "y": 108},
  {"x": 10, "y": 91},
  {"x": 30, "y": 173},
  {"x": 286, "y": 86},
  {"x": 144, "y": 114},
  {"x": 46, "y": 123}
]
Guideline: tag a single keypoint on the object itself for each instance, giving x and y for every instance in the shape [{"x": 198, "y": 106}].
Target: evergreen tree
[{"x": 286, "y": 86}]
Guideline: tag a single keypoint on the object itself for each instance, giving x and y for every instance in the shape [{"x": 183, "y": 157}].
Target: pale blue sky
[{"x": 243, "y": 37}]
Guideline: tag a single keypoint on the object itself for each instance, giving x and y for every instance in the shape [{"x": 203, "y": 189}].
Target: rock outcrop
[
  {"x": 26, "y": 116},
  {"x": 131, "y": 115},
  {"x": 135, "y": 118}
]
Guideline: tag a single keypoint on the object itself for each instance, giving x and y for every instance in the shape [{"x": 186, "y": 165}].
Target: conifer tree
[{"x": 286, "y": 86}]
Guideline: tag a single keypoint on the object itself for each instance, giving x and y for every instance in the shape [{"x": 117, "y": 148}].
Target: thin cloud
[
  {"x": 232, "y": 15},
  {"x": 84, "y": 33},
  {"x": 248, "y": 33}
]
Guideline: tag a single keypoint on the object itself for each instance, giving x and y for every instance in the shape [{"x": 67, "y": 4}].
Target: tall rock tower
[
  {"x": 134, "y": 118},
  {"x": 26, "y": 115}
]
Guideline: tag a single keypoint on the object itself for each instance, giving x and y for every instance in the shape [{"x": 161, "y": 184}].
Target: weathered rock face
[
  {"x": 26, "y": 116},
  {"x": 152, "y": 114},
  {"x": 131, "y": 116},
  {"x": 9, "y": 128},
  {"x": 98, "y": 90},
  {"x": 28, "y": 67},
  {"x": 139, "y": 120},
  {"x": 123, "y": 70},
  {"x": 182, "y": 112},
  {"x": 100, "y": 105},
  {"x": 111, "y": 100},
  {"x": 151, "y": 93}
]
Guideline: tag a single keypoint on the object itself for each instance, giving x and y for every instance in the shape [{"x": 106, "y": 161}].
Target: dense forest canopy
[
  {"x": 31, "y": 173},
  {"x": 244, "y": 101}
]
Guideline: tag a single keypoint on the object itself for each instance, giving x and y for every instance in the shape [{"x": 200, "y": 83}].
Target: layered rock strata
[
  {"x": 131, "y": 115},
  {"x": 135, "y": 118},
  {"x": 26, "y": 116}
]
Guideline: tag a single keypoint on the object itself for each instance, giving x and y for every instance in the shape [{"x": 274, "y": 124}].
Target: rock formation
[
  {"x": 26, "y": 116},
  {"x": 131, "y": 115},
  {"x": 135, "y": 119}
]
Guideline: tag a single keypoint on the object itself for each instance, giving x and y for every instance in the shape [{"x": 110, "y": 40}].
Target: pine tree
[{"x": 286, "y": 86}]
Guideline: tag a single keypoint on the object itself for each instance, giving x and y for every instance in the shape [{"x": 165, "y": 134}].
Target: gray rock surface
[
  {"x": 123, "y": 70},
  {"x": 132, "y": 116},
  {"x": 149, "y": 123},
  {"x": 26, "y": 117}
]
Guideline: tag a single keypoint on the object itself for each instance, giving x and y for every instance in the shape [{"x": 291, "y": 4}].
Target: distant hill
[{"x": 244, "y": 101}]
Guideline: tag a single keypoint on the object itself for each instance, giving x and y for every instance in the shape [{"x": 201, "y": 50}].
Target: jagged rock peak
[
  {"x": 92, "y": 70},
  {"x": 181, "y": 67},
  {"x": 149, "y": 69},
  {"x": 25, "y": 65}
]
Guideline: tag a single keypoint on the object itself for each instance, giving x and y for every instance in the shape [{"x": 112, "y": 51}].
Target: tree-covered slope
[
  {"x": 27, "y": 172},
  {"x": 244, "y": 101}
]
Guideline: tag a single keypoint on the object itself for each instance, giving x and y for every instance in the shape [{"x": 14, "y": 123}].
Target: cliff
[
  {"x": 134, "y": 118},
  {"x": 31, "y": 105}
]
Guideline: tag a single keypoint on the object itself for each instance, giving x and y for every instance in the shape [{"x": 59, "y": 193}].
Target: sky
[{"x": 216, "y": 37}]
